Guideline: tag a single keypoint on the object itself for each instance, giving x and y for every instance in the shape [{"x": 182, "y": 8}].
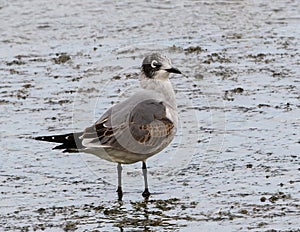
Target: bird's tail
[{"x": 71, "y": 142}]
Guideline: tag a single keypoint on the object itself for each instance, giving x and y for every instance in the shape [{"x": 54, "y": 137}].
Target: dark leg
[
  {"x": 146, "y": 192},
  {"x": 119, "y": 190}
]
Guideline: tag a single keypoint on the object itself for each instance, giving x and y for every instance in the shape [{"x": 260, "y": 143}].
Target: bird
[{"x": 135, "y": 129}]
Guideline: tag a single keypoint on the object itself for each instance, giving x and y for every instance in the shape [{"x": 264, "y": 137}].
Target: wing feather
[{"x": 147, "y": 123}]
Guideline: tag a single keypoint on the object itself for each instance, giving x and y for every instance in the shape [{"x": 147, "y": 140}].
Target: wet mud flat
[{"x": 235, "y": 163}]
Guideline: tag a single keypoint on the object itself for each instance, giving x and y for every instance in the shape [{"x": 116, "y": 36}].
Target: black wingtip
[
  {"x": 45, "y": 138},
  {"x": 42, "y": 138},
  {"x": 68, "y": 142}
]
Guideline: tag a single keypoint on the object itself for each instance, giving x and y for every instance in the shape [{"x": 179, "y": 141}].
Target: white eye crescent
[{"x": 154, "y": 63}]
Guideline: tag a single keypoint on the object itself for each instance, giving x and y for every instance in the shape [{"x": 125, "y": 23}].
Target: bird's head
[{"x": 157, "y": 66}]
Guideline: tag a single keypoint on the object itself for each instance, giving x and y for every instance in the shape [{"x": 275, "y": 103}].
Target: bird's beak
[{"x": 173, "y": 70}]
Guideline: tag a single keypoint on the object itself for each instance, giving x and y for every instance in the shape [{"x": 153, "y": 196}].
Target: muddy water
[{"x": 234, "y": 165}]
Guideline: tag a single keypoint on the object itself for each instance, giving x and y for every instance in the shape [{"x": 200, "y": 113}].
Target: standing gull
[{"x": 135, "y": 129}]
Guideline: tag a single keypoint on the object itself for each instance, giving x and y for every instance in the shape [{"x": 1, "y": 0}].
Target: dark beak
[{"x": 173, "y": 70}]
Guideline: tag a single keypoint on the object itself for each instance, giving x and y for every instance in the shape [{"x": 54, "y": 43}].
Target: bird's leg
[
  {"x": 119, "y": 190},
  {"x": 146, "y": 192}
]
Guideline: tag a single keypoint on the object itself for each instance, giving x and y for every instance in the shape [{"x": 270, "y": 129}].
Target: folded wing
[{"x": 146, "y": 126}]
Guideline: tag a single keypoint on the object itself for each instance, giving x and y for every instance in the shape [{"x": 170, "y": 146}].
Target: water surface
[{"x": 234, "y": 165}]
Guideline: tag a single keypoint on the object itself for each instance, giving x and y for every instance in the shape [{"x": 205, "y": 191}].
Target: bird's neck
[{"x": 161, "y": 86}]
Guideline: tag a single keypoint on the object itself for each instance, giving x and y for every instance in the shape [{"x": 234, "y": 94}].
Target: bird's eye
[{"x": 154, "y": 64}]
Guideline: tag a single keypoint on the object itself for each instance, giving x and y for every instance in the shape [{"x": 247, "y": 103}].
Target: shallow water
[{"x": 234, "y": 165}]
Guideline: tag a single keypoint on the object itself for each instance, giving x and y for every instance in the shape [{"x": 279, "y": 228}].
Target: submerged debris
[
  {"x": 61, "y": 58},
  {"x": 15, "y": 62},
  {"x": 196, "y": 49}
]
